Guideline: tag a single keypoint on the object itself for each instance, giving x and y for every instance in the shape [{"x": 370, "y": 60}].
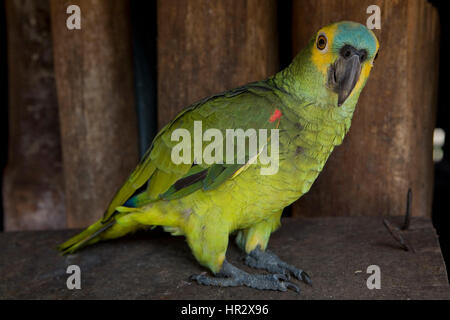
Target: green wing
[{"x": 250, "y": 106}]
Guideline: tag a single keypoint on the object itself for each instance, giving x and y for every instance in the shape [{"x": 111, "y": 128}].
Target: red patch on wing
[{"x": 275, "y": 116}]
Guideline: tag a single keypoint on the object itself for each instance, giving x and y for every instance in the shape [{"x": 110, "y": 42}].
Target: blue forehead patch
[{"x": 354, "y": 34}]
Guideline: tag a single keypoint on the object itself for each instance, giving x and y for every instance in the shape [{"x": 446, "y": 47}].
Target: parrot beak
[{"x": 344, "y": 73}]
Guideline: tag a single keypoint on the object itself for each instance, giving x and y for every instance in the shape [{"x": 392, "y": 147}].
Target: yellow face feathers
[{"x": 322, "y": 58}]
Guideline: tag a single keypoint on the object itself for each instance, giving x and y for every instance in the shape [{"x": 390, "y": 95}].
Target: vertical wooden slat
[
  {"x": 389, "y": 147},
  {"x": 94, "y": 77},
  {"x": 205, "y": 47},
  {"x": 4, "y": 102},
  {"x": 33, "y": 195}
]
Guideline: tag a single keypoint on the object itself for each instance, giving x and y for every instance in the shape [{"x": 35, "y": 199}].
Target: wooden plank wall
[
  {"x": 389, "y": 147},
  {"x": 206, "y": 47},
  {"x": 33, "y": 186},
  {"x": 94, "y": 77},
  {"x": 86, "y": 95}
]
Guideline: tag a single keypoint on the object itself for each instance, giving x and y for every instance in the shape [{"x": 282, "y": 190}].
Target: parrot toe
[
  {"x": 267, "y": 260},
  {"x": 231, "y": 276}
]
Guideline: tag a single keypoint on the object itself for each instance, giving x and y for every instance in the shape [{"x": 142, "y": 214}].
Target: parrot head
[{"x": 336, "y": 63}]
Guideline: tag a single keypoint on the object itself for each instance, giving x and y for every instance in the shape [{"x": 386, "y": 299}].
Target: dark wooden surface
[
  {"x": 33, "y": 186},
  {"x": 335, "y": 251},
  {"x": 389, "y": 147},
  {"x": 206, "y": 47},
  {"x": 94, "y": 78}
]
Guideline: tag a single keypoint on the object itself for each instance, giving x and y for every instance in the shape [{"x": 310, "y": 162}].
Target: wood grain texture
[
  {"x": 33, "y": 195},
  {"x": 158, "y": 266},
  {"x": 94, "y": 77},
  {"x": 206, "y": 47},
  {"x": 389, "y": 146}
]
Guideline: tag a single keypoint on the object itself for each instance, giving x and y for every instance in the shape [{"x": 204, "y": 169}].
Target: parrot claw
[
  {"x": 268, "y": 261},
  {"x": 231, "y": 276}
]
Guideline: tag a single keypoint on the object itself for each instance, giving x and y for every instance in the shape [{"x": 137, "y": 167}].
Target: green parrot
[{"x": 309, "y": 104}]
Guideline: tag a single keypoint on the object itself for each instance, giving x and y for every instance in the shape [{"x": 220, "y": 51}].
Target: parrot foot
[
  {"x": 267, "y": 260},
  {"x": 231, "y": 276}
]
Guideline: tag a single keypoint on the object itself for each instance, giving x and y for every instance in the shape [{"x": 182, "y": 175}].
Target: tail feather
[
  {"x": 126, "y": 220},
  {"x": 89, "y": 236}
]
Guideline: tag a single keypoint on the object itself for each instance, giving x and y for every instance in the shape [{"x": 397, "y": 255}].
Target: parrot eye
[{"x": 321, "y": 42}]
